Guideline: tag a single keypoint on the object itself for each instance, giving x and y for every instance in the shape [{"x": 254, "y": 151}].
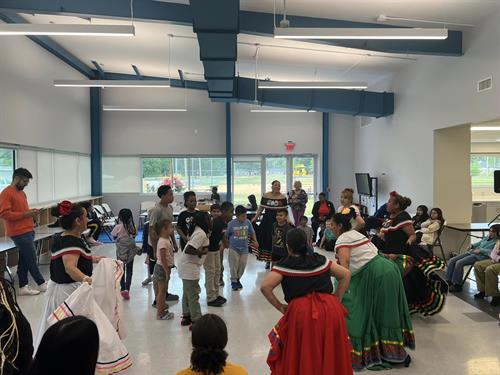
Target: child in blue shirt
[{"x": 237, "y": 233}]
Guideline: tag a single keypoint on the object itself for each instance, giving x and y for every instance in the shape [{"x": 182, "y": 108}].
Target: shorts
[{"x": 160, "y": 273}]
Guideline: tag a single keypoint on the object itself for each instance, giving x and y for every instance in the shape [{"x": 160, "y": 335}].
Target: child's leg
[
  {"x": 122, "y": 281},
  {"x": 211, "y": 259},
  {"x": 242, "y": 264},
  {"x": 217, "y": 272},
  {"x": 193, "y": 297},
  {"x": 185, "y": 299},
  {"x": 233, "y": 259},
  {"x": 129, "y": 269},
  {"x": 161, "y": 305},
  {"x": 222, "y": 265}
]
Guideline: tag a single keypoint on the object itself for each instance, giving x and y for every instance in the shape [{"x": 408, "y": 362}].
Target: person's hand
[
  {"x": 97, "y": 258},
  {"x": 475, "y": 251},
  {"x": 409, "y": 242},
  {"x": 87, "y": 280},
  {"x": 283, "y": 308},
  {"x": 32, "y": 213},
  {"x": 256, "y": 244},
  {"x": 203, "y": 251},
  {"x": 146, "y": 261}
]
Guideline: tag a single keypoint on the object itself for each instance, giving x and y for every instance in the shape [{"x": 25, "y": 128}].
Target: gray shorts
[{"x": 161, "y": 273}]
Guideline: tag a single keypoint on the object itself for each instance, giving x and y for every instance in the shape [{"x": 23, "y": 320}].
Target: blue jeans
[
  {"x": 455, "y": 270},
  {"x": 27, "y": 259}
]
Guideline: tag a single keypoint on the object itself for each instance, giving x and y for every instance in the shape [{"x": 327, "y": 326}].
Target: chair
[
  {"x": 437, "y": 243},
  {"x": 107, "y": 224},
  {"x": 109, "y": 212}
]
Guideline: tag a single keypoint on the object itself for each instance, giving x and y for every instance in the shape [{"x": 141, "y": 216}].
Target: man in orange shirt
[{"x": 20, "y": 226}]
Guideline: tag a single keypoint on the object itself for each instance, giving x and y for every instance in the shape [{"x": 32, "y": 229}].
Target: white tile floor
[{"x": 448, "y": 344}]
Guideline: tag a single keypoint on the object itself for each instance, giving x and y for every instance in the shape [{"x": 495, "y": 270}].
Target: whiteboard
[
  {"x": 121, "y": 174},
  {"x": 27, "y": 159},
  {"x": 65, "y": 176}
]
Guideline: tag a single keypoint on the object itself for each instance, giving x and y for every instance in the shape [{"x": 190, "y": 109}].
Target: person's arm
[
  {"x": 322, "y": 242},
  {"x": 410, "y": 232},
  {"x": 344, "y": 256},
  {"x": 257, "y": 214},
  {"x": 163, "y": 256},
  {"x": 343, "y": 276},
  {"x": 360, "y": 223},
  {"x": 195, "y": 245},
  {"x": 315, "y": 210},
  {"x": 70, "y": 262},
  {"x": 430, "y": 227},
  {"x": 271, "y": 281},
  {"x": 8, "y": 214},
  {"x": 252, "y": 234},
  {"x": 116, "y": 229},
  {"x": 486, "y": 248},
  {"x": 180, "y": 230}
]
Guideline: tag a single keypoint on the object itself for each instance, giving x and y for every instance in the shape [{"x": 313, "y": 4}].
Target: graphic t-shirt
[
  {"x": 184, "y": 223},
  {"x": 279, "y": 240},
  {"x": 237, "y": 233}
]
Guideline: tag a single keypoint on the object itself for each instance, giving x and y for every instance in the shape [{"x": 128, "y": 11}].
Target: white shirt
[
  {"x": 362, "y": 249},
  {"x": 188, "y": 265}
]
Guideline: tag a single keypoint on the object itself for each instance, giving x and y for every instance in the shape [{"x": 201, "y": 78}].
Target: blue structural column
[
  {"x": 96, "y": 140},
  {"x": 325, "y": 156},
  {"x": 229, "y": 164}
]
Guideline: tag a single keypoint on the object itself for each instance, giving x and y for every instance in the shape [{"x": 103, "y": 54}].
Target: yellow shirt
[{"x": 229, "y": 369}]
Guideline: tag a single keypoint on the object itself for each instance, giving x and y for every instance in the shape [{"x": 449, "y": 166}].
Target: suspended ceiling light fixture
[
  {"x": 112, "y": 83},
  {"x": 69, "y": 29},
  {"x": 284, "y": 31},
  {"x": 385, "y": 18},
  {"x": 117, "y": 108},
  {"x": 312, "y": 85},
  {"x": 485, "y": 128},
  {"x": 284, "y": 110}
]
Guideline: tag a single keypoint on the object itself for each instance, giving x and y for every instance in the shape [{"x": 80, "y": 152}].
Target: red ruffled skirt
[{"x": 311, "y": 338}]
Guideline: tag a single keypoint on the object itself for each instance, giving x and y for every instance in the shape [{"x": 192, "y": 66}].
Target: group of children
[{"x": 203, "y": 239}]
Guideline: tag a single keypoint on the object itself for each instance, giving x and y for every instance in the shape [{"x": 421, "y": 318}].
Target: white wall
[
  {"x": 267, "y": 133},
  {"x": 199, "y": 131},
  {"x": 432, "y": 93},
  {"x": 32, "y": 111}
]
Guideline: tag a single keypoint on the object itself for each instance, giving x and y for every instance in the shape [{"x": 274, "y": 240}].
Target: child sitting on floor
[{"x": 328, "y": 240}]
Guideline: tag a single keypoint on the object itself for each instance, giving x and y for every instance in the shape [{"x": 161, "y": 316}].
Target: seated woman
[
  {"x": 70, "y": 346},
  {"x": 487, "y": 272},
  {"x": 71, "y": 260},
  {"x": 379, "y": 322},
  {"x": 313, "y": 322},
  {"x": 209, "y": 338},
  {"x": 322, "y": 210},
  {"x": 479, "y": 251},
  {"x": 346, "y": 199},
  {"x": 425, "y": 290},
  {"x": 429, "y": 229},
  {"x": 421, "y": 216}
]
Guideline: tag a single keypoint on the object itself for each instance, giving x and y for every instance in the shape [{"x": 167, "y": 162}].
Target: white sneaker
[
  {"x": 41, "y": 287},
  {"x": 28, "y": 291}
]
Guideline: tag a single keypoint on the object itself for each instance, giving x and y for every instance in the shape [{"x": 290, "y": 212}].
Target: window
[
  {"x": 6, "y": 167},
  {"x": 482, "y": 168},
  {"x": 276, "y": 169},
  {"x": 183, "y": 174},
  {"x": 247, "y": 179}
]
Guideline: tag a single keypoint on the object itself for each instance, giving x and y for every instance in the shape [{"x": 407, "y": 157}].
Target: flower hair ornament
[
  {"x": 65, "y": 208},
  {"x": 393, "y": 194},
  {"x": 346, "y": 211}
]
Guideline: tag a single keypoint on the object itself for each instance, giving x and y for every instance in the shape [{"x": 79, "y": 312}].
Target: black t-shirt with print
[
  {"x": 219, "y": 227},
  {"x": 184, "y": 223}
]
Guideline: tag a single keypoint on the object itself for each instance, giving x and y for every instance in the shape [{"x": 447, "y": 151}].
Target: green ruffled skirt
[{"x": 379, "y": 321}]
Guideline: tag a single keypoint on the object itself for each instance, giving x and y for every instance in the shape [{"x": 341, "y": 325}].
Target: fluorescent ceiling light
[
  {"x": 70, "y": 30},
  {"x": 112, "y": 83},
  {"x": 385, "y": 18},
  {"x": 312, "y": 85},
  {"x": 359, "y": 33},
  {"x": 485, "y": 128},
  {"x": 139, "y": 109},
  {"x": 256, "y": 110}
]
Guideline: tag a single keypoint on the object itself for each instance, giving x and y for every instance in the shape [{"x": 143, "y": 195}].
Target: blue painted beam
[
  {"x": 98, "y": 68},
  {"x": 195, "y": 85},
  {"x": 229, "y": 163},
  {"x": 96, "y": 140},
  {"x": 52, "y": 47},
  {"x": 137, "y": 71},
  {"x": 325, "y": 155},
  {"x": 256, "y": 23}
]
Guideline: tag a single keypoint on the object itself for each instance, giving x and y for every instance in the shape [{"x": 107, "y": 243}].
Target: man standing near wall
[{"x": 20, "y": 226}]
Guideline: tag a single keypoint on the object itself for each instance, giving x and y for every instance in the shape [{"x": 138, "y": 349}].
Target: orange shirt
[
  {"x": 229, "y": 369},
  {"x": 13, "y": 205}
]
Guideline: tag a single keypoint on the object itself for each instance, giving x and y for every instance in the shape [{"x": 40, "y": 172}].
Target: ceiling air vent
[{"x": 484, "y": 84}]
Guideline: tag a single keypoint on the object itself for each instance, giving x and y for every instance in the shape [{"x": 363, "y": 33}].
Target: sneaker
[
  {"x": 235, "y": 286},
  {"x": 166, "y": 316},
  {"x": 172, "y": 297},
  {"x": 41, "y": 287},
  {"x": 220, "y": 298},
  {"x": 186, "y": 321},
  {"x": 27, "y": 291},
  {"x": 239, "y": 285},
  {"x": 495, "y": 301},
  {"x": 147, "y": 281},
  {"x": 215, "y": 303},
  {"x": 125, "y": 294},
  {"x": 479, "y": 295}
]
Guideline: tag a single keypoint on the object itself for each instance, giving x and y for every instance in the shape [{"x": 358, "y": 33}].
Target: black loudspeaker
[{"x": 497, "y": 181}]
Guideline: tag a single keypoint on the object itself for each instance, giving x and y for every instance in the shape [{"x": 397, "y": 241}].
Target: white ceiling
[{"x": 277, "y": 59}]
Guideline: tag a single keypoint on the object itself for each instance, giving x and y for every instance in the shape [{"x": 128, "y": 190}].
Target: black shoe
[
  {"x": 268, "y": 265},
  {"x": 215, "y": 303},
  {"x": 154, "y": 303},
  {"x": 186, "y": 321},
  {"x": 495, "y": 301},
  {"x": 172, "y": 297},
  {"x": 220, "y": 298},
  {"x": 479, "y": 295},
  {"x": 456, "y": 288}
]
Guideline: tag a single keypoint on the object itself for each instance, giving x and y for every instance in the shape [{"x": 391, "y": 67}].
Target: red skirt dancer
[{"x": 311, "y": 338}]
